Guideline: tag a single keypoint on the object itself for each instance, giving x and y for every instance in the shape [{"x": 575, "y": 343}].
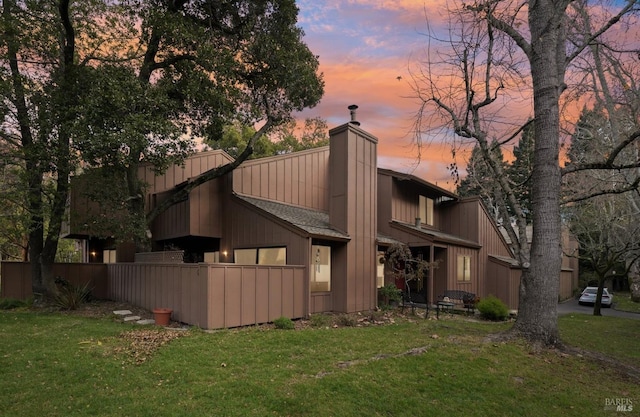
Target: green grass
[
  {"x": 622, "y": 301},
  {"x": 60, "y": 365}
]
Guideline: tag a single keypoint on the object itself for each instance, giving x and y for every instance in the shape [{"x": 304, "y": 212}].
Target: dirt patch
[{"x": 105, "y": 309}]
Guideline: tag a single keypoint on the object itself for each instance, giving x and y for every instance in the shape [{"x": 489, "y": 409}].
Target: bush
[
  {"x": 11, "y": 303},
  {"x": 69, "y": 296},
  {"x": 492, "y": 308},
  {"x": 389, "y": 294},
  {"x": 284, "y": 323},
  {"x": 320, "y": 320}
]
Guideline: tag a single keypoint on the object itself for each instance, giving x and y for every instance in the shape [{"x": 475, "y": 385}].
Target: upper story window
[{"x": 426, "y": 210}]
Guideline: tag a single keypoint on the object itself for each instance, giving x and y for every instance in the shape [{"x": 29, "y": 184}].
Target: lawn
[
  {"x": 61, "y": 365},
  {"x": 622, "y": 301}
]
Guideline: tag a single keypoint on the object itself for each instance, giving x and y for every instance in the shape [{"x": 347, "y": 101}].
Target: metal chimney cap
[{"x": 352, "y": 109}]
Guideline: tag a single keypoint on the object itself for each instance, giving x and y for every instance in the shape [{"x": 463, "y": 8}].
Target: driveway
[{"x": 572, "y": 306}]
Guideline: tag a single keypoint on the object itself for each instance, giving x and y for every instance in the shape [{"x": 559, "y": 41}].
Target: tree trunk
[
  {"x": 537, "y": 316},
  {"x": 634, "y": 281}
]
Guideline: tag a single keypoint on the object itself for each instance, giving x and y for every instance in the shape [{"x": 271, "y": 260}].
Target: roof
[
  {"x": 511, "y": 261},
  {"x": 314, "y": 222},
  {"x": 437, "y": 235},
  {"x": 419, "y": 180},
  {"x": 387, "y": 240}
]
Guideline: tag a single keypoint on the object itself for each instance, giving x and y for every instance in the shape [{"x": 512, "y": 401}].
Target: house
[{"x": 330, "y": 210}]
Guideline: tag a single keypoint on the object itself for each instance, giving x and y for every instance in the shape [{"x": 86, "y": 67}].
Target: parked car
[{"x": 589, "y": 294}]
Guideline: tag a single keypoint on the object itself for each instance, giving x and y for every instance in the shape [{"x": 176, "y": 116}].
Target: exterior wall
[
  {"x": 352, "y": 209},
  {"x": 248, "y": 228},
  {"x": 300, "y": 179},
  {"x": 385, "y": 202},
  {"x": 16, "y": 278},
  {"x": 462, "y": 219},
  {"x": 405, "y": 202},
  {"x": 452, "y": 269},
  {"x": 502, "y": 282},
  {"x": 199, "y": 215},
  {"x": 176, "y": 174}
]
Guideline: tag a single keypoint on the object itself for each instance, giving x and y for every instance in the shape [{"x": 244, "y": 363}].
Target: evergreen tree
[
  {"x": 520, "y": 170},
  {"x": 480, "y": 181}
]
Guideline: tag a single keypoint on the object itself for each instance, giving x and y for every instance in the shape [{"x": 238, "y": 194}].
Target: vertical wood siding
[
  {"x": 352, "y": 209},
  {"x": 250, "y": 229},
  {"x": 300, "y": 179}
]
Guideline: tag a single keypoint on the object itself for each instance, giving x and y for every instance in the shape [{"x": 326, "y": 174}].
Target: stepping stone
[
  {"x": 122, "y": 312},
  {"x": 132, "y": 318},
  {"x": 146, "y": 321}
]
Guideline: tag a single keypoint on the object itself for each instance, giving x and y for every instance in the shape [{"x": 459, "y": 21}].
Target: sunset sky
[
  {"x": 364, "y": 46},
  {"x": 368, "y": 50}
]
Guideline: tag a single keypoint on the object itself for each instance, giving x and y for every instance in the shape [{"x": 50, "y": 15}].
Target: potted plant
[{"x": 162, "y": 316}]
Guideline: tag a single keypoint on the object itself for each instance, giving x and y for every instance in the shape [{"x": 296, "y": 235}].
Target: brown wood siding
[
  {"x": 300, "y": 179},
  {"x": 250, "y": 228},
  {"x": 502, "y": 282},
  {"x": 405, "y": 206},
  {"x": 200, "y": 215},
  {"x": 461, "y": 219},
  {"x": 352, "y": 209},
  {"x": 452, "y": 268},
  {"x": 385, "y": 199},
  {"x": 81, "y": 209},
  {"x": 176, "y": 174}
]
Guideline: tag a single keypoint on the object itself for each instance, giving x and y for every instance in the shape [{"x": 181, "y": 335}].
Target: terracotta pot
[{"x": 162, "y": 316}]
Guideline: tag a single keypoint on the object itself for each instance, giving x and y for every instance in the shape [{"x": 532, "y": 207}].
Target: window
[
  {"x": 464, "y": 268},
  {"x": 272, "y": 256},
  {"x": 320, "y": 268},
  {"x": 426, "y": 210},
  {"x": 261, "y": 256},
  {"x": 245, "y": 256},
  {"x": 109, "y": 256}
]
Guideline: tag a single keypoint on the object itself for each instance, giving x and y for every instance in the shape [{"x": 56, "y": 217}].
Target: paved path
[{"x": 572, "y": 306}]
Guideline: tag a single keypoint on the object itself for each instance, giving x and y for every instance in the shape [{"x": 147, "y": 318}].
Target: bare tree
[
  {"x": 499, "y": 54},
  {"x": 607, "y": 231}
]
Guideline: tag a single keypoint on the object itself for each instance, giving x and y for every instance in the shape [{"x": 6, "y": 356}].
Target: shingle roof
[
  {"x": 438, "y": 235},
  {"x": 314, "y": 222}
]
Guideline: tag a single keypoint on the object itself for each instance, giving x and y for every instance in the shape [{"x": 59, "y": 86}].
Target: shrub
[
  {"x": 11, "y": 303},
  {"x": 69, "y": 296},
  {"x": 389, "y": 294},
  {"x": 284, "y": 323},
  {"x": 320, "y": 320},
  {"x": 492, "y": 308}
]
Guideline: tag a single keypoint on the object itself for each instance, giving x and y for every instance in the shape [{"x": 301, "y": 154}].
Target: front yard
[{"x": 68, "y": 365}]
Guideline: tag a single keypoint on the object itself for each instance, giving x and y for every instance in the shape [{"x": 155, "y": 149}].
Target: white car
[{"x": 589, "y": 294}]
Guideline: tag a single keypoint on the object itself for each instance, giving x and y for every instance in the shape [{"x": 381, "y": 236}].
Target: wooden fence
[
  {"x": 211, "y": 296},
  {"x": 15, "y": 281},
  {"x": 214, "y": 296},
  {"x": 508, "y": 290}
]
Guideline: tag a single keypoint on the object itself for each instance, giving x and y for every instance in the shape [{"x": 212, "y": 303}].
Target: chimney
[{"x": 352, "y": 109}]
